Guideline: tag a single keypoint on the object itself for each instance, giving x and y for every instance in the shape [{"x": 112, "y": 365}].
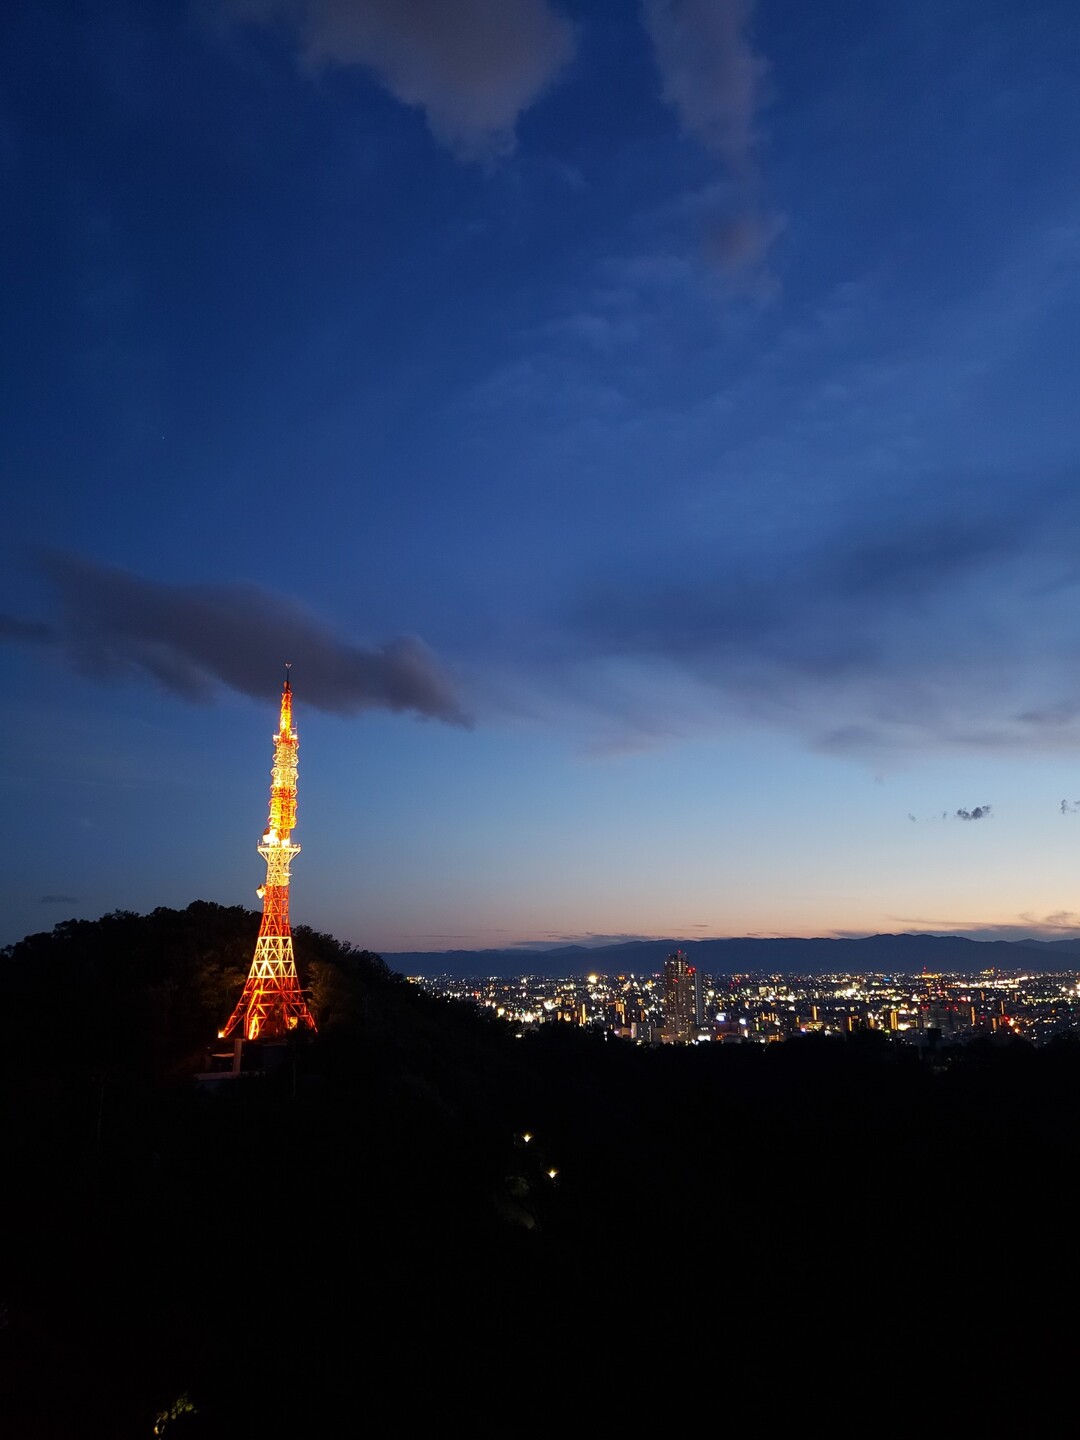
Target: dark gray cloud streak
[
  {"x": 31, "y": 632},
  {"x": 190, "y": 639},
  {"x": 892, "y": 631},
  {"x": 813, "y": 612},
  {"x": 978, "y": 812}
]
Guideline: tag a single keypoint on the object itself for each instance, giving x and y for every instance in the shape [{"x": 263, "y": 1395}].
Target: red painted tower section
[{"x": 272, "y": 1003}]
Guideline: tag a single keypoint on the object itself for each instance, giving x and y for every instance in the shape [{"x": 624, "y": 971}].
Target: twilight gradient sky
[{"x": 650, "y": 429}]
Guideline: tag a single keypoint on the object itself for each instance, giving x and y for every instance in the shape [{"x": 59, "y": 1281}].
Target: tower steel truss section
[{"x": 273, "y": 1004}]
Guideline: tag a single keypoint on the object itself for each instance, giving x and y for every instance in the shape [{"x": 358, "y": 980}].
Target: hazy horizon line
[{"x": 988, "y": 934}]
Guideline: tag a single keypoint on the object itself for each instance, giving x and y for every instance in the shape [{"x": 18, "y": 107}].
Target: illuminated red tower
[{"x": 272, "y": 1003}]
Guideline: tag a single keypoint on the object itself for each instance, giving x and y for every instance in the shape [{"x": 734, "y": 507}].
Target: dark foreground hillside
[{"x": 362, "y": 1239}]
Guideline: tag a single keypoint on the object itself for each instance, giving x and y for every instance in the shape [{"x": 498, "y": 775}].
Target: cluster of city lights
[{"x": 762, "y": 1009}]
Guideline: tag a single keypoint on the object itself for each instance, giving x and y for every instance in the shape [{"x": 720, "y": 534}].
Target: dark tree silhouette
[{"x": 362, "y": 1227}]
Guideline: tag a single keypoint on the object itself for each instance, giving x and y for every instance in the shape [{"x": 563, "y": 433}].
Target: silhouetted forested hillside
[
  {"x": 362, "y": 1239},
  {"x": 758, "y": 955}
]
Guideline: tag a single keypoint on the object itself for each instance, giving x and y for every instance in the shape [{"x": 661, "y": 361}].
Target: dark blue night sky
[{"x": 650, "y": 431}]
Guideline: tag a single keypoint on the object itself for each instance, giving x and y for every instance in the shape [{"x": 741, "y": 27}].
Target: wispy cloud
[
  {"x": 712, "y": 75},
  {"x": 587, "y": 940},
  {"x": 1060, "y": 925},
  {"x": 472, "y": 66},
  {"x": 192, "y": 638},
  {"x": 709, "y": 70},
  {"x": 32, "y": 632},
  {"x": 979, "y": 813},
  {"x": 890, "y": 634}
]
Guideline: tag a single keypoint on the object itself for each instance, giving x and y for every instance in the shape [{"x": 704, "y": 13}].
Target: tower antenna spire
[{"x": 272, "y": 1003}]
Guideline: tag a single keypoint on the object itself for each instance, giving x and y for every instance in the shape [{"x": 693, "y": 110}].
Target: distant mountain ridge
[{"x": 903, "y": 954}]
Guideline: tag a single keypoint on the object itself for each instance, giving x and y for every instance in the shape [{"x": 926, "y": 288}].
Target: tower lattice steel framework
[{"x": 272, "y": 1003}]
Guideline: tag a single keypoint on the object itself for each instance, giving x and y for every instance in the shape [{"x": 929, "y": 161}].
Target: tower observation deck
[{"x": 273, "y": 1004}]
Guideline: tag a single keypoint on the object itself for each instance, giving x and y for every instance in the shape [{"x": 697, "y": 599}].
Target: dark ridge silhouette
[
  {"x": 360, "y": 1237},
  {"x": 878, "y": 954}
]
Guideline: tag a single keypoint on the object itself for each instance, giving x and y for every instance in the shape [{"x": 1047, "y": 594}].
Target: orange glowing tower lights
[{"x": 272, "y": 1003}]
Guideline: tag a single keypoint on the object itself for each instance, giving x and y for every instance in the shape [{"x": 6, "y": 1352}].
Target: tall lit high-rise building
[{"x": 684, "y": 1007}]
